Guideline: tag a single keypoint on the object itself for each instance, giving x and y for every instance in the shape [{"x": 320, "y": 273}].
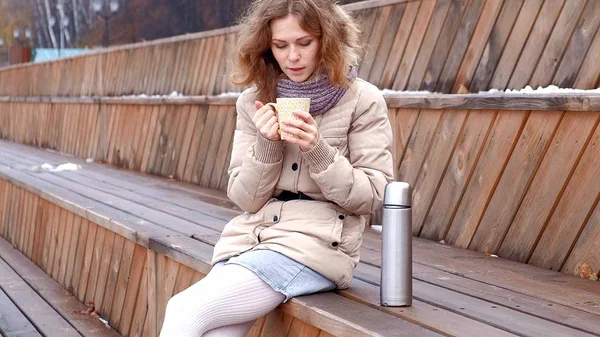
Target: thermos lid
[{"x": 397, "y": 194}]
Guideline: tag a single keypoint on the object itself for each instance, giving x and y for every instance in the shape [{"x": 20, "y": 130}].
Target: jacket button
[
  {"x": 334, "y": 244},
  {"x": 275, "y": 218},
  {"x": 341, "y": 217},
  {"x": 294, "y": 167}
]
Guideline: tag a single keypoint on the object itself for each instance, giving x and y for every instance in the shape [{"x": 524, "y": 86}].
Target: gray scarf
[{"x": 323, "y": 95}]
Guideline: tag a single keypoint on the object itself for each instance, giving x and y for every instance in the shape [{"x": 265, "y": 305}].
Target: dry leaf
[
  {"x": 585, "y": 271},
  {"x": 91, "y": 310}
]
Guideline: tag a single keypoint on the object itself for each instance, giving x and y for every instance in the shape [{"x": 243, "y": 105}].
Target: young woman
[{"x": 304, "y": 196}]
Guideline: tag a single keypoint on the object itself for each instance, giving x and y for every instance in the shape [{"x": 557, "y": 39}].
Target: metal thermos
[{"x": 396, "y": 249}]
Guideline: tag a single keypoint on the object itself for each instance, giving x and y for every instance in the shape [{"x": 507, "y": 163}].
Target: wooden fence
[
  {"x": 435, "y": 45},
  {"x": 512, "y": 175}
]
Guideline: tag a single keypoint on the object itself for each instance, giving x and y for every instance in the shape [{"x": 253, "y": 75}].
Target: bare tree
[{"x": 50, "y": 23}]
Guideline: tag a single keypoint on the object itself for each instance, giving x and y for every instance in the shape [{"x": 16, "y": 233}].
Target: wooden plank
[
  {"x": 64, "y": 305},
  {"x": 459, "y": 47},
  {"x": 384, "y": 47},
  {"x": 414, "y": 44},
  {"x": 12, "y": 322},
  {"x": 343, "y": 320},
  {"x": 220, "y": 157},
  {"x": 374, "y": 30},
  {"x": 457, "y": 175},
  {"x": 443, "y": 321},
  {"x": 521, "y": 278},
  {"x": 113, "y": 274},
  {"x": 521, "y": 324},
  {"x": 213, "y": 114},
  {"x": 495, "y": 45},
  {"x": 166, "y": 278},
  {"x": 87, "y": 262},
  {"x": 71, "y": 258},
  {"x": 516, "y": 178},
  {"x": 79, "y": 264},
  {"x": 587, "y": 247},
  {"x": 95, "y": 264},
  {"x": 141, "y": 307},
  {"x": 149, "y": 142},
  {"x": 553, "y": 53},
  {"x": 105, "y": 267},
  {"x": 547, "y": 186},
  {"x": 186, "y": 144},
  {"x": 516, "y": 43},
  {"x": 198, "y": 133},
  {"x": 476, "y": 46},
  {"x": 578, "y": 46},
  {"x": 588, "y": 74},
  {"x": 48, "y": 321},
  {"x": 62, "y": 273},
  {"x": 40, "y": 232},
  {"x": 399, "y": 46},
  {"x": 426, "y": 50},
  {"x": 117, "y": 287},
  {"x": 134, "y": 281},
  {"x": 54, "y": 241},
  {"x": 572, "y": 211},
  {"x": 183, "y": 280},
  {"x": 452, "y": 24},
  {"x": 418, "y": 144},
  {"x": 436, "y": 163},
  {"x": 492, "y": 162}
]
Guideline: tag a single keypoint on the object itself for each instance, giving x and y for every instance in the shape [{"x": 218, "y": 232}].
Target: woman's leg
[
  {"x": 237, "y": 330},
  {"x": 227, "y": 296}
]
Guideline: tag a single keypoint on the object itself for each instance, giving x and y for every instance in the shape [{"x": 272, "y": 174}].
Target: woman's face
[{"x": 295, "y": 49}]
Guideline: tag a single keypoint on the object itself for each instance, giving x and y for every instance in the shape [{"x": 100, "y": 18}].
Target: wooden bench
[
  {"x": 153, "y": 237},
  {"x": 33, "y": 304}
]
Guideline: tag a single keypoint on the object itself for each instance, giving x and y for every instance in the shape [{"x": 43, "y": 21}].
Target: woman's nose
[{"x": 294, "y": 55}]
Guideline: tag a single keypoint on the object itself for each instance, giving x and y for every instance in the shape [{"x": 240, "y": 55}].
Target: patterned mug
[{"x": 285, "y": 108}]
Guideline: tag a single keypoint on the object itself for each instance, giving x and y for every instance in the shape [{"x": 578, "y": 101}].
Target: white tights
[{"x": 225, "y": 303}]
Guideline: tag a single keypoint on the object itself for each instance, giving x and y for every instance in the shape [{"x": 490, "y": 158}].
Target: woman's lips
[{"x": 296, "y": 70}]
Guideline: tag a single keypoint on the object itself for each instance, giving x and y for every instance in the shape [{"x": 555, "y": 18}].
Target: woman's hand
[
  {"x": 305, "y": 130},
  {"x": 265, "y": 121}
]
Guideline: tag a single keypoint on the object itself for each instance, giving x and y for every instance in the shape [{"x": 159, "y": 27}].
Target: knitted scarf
[{"x": 323, "y": 95}]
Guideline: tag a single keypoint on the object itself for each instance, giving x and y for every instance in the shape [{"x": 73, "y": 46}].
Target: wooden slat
[
  {"x": 547, "y": 186},
  {"x": 494, "y": 158},
  {"x": 434, "y": 29},
  {"x": 414, "y": 43},
  {"x": 445, "y": 40},
  {"x": 12, "y": 322},
  {"x": 65, "y": 305},
  {"x": 495, "y": 46},
  {"x": 384, "y": 47},
  {"x": 423, "y": 132},
  {"x": 555, "y": 48},
  {"x": 587, "y": 247},
  {"x": 459, "y": 46},
  {"x": 478, "y": 41},
  {"x": 436, "y": 163},
  {"x": 399, "y": 45},
  {"x": 571, "y": 213},
  {"x": 457, "y": 175},
  {"x": 517, "y": 176},
  {"x": 578, "y": 46},
  {"x": 30, "y": 303},
  {"x": 516, "y": 43}
]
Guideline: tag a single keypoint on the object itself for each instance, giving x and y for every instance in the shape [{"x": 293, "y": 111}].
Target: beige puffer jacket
[{"x": 346, "y": 173}]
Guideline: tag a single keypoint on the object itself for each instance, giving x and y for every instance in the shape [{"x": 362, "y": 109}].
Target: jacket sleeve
[
  {"x": 357, "y": 183},
  {"x": 255, "y": 161}
]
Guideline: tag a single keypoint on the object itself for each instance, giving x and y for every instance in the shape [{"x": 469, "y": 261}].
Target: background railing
[{"x": 435, "y": 45}]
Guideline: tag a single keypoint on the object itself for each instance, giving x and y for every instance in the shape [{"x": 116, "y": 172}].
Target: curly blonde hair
[{"x": 338, "y": 34}]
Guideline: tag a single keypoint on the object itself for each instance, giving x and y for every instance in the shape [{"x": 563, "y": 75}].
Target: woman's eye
[
  {"x": 305, "y": 44},
  {"x": 279, "y": 46}
]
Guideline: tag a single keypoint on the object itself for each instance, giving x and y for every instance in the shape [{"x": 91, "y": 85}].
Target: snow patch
[{"x": 49, "y": 168}]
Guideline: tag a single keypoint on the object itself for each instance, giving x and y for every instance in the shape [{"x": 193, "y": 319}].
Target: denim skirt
[{"x": 284, "y": 275}]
